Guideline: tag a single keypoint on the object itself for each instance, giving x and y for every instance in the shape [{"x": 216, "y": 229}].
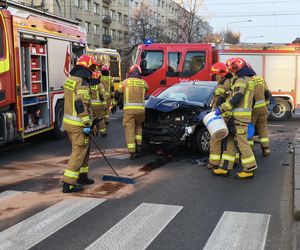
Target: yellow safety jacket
[
  {"x": 242, "y": 111},
  {"x": 107, "y": 81},
  {"x": 76, "y": 92},
  {"x": 98, "y": 93},
  {"x": 260, "y": 87},
  {"x": 133, "y": 90}
]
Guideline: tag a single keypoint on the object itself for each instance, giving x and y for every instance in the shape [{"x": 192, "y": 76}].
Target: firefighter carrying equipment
[
  {"x": 240, "y": 103},
  {"x": 133, "y": 90},
  {"x": 77, "y": 115},
  {"x": 260, "y": 113}
]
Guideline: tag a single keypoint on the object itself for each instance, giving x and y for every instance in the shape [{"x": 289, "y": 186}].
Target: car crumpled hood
[{"x": 167, "y": 105}]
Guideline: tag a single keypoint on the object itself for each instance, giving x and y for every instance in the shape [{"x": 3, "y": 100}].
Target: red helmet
[
  {"x": 236, "y": 64},
  {"x": 105, "y": 67},
  {"x": 96, "y": 75},
  {"x": 228, "y": 62},
  {"x": 219, "y": 69},
  {"x": 86, "y": 61},
  {"x": 135, "y": 67}
]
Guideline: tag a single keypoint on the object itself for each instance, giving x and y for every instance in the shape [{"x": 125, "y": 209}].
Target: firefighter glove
[
  {"x": 218, "y": 111},
  {"x": 113, "y": 109},
  {"x": 86, "y": 130}
]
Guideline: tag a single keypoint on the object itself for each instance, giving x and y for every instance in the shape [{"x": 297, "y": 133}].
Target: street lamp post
[
  {"x": 250, "y": 37},
  {"x": 241, "y": 21}
]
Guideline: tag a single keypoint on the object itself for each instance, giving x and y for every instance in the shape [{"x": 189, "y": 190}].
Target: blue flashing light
[{"x": 148, "y": 41}]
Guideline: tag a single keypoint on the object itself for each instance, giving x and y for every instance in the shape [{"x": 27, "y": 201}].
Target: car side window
[
  {"x": 173, "y": 63},
  {"x": 194, "y": 62},
  {"x": 152, "y": 61}
]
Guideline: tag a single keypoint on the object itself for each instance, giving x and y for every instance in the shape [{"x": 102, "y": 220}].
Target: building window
[
  {"x": 125, "y": 36},
  {"x": 120, "y": 17},
  {"x": 96, "y": 30},
  {"x": 96, "y": 8},
  {"x": 87, "y": 26},
  {"x": 120, "y": 35},
  {"x": 105, "y": 10},
  {"x": 120, "y": 1},
  {"x": 125, "y": 19},
  {"x": 113, "y": 15},
  {"x": 77, "y": 3},
  {"x": 105, "y": 31},
  {"x": 113, "y": 34},
  {"x": 87, "y": 5}
]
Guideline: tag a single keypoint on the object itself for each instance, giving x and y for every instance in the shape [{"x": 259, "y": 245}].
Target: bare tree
[{"x": 191, "y": 27}]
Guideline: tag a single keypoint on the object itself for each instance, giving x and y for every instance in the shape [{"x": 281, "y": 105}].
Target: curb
[{"x": 296, "y": 207}]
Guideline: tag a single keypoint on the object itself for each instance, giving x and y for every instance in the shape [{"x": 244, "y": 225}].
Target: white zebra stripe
[
  {"x": 9, "y": 194},
  {"x": 137, "y": 230},
  {"x": 31, "y": 231},
  {"x": 238, "y": 230}
]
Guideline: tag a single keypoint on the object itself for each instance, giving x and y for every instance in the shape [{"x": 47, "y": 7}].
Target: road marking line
[
  {"x": 9, "y": 194},
  {"x": 273, "y": 125},
  {"x": 31, "y": 231},
  {"x": 138, "y": 229},
  {"x": 237, "y": 230}
]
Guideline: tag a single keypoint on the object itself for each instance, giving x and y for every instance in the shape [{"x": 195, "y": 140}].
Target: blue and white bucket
[{"x": 216, "y": 126}]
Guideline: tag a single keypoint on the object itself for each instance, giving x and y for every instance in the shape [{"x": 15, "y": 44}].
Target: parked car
[{"x": 175, "y": 115}]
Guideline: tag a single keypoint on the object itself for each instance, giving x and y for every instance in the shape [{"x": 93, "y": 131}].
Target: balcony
[
  {"x": 107, "y": 1},
  {"x": 106, "y": 39},
  {"x": 106, "y": 19}
]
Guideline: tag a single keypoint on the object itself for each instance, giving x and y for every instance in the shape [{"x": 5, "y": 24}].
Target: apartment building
[{"x": 106, "y": 21}]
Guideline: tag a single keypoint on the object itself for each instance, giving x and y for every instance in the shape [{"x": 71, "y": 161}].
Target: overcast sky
[{"x": 278, "y": 21}]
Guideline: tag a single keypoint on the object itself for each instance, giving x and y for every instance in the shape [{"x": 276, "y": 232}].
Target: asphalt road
[{"x": 182, "y": 184}]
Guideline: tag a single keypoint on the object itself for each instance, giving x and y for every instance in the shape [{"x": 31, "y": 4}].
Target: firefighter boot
[
  {"x": 68, "y": 188},
  {"x": 266, "y": 151},
  {"x": 132, "y": 156},
  {"x": 220, "y": 172},
  {"x": 244, "y": 175},
  {"x": 85, "y": 180}
]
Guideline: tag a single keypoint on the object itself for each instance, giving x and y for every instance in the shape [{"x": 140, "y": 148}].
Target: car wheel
[
  {"x": 281, "y": 111},
  {"x": 58, "y": 125},
  {"x": 201, "y": 140}
]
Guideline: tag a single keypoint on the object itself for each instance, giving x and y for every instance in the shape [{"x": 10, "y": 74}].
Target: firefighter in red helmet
[
  {"x": 221, "y": 93},
  {"x": 132, "y": 92},
  {"x": 240, "y": 104},
  {"x": 77, "y": 123},
  {"x": 107, "y": 81}
]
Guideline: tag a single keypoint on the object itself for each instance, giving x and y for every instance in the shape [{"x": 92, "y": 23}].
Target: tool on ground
[{"x": 116, "y": 177}]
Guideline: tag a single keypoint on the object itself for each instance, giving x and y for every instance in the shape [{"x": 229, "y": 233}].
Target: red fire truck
[
  {"x": 36, "y": 53},
  {"x": 166, "y": 64}
]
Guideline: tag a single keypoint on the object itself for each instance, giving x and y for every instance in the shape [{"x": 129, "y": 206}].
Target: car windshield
[{"x": 191, "y": 93}]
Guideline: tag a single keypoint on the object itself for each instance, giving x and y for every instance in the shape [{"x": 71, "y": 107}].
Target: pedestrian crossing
[{"x": 136, "y": 231}]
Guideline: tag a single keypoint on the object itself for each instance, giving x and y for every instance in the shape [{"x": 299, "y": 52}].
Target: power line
[
  {"x": 259, "y": 26},
  {"x": 247, "y": 3}
]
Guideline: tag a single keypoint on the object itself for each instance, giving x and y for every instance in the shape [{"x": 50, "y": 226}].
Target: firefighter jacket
[
  {"x": 107, "y": 81},
  {"x": 133, "y": 90},
  {"x": 240, "y": 100},
  {"x": 260, "y": 100},
  {"x": 98, "y": 98},
  {"x": 77, "y": 107}
]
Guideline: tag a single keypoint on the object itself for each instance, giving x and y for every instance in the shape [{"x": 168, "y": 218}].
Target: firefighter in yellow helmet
[
  {"x": 259, "y": 117},
  {"x": 77, "y": 123},
  {"x": 219, "y": 97},
  {"x": 132, "y": 90},
  {"x": 98, "y": 104},
  {"x": 240, "y": 104},
  {"x": 107, "y": 81}
]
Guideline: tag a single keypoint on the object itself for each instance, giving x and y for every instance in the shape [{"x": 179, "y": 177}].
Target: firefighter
[
  {"x": 107, "y": 81},
  {"x": 219, "y": 97},
  {"x": 132, "y": 90},
  {"x": 240, "y": 104},
  {"x": 77, "y": 123},
  {"x": 259, "y": 117},
  {"x": 98, "y": 104}
]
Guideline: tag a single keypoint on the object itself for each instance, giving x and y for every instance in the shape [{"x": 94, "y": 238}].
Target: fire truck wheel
[
  {"x": 201, "y": 140},
  {"x": 58, "y": 125},
  {"x": 281, "y": 111}
]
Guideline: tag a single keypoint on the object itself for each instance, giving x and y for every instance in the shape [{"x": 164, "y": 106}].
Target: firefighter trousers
[
  {"x": 133, "y": 122},
  {"x": 230, "y": 153},
  {"x": 78, "y": 163},
  {"x": 101, "y": 126},
  {"x": 260, "y": 121},
  {"x": 215, "y": 150}
]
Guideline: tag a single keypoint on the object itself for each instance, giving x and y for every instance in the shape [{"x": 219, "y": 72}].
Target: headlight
[{"x": 177, "y": 119}]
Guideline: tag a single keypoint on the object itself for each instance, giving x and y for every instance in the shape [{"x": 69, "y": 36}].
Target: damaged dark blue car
[{"x": 175, "y": 115}]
